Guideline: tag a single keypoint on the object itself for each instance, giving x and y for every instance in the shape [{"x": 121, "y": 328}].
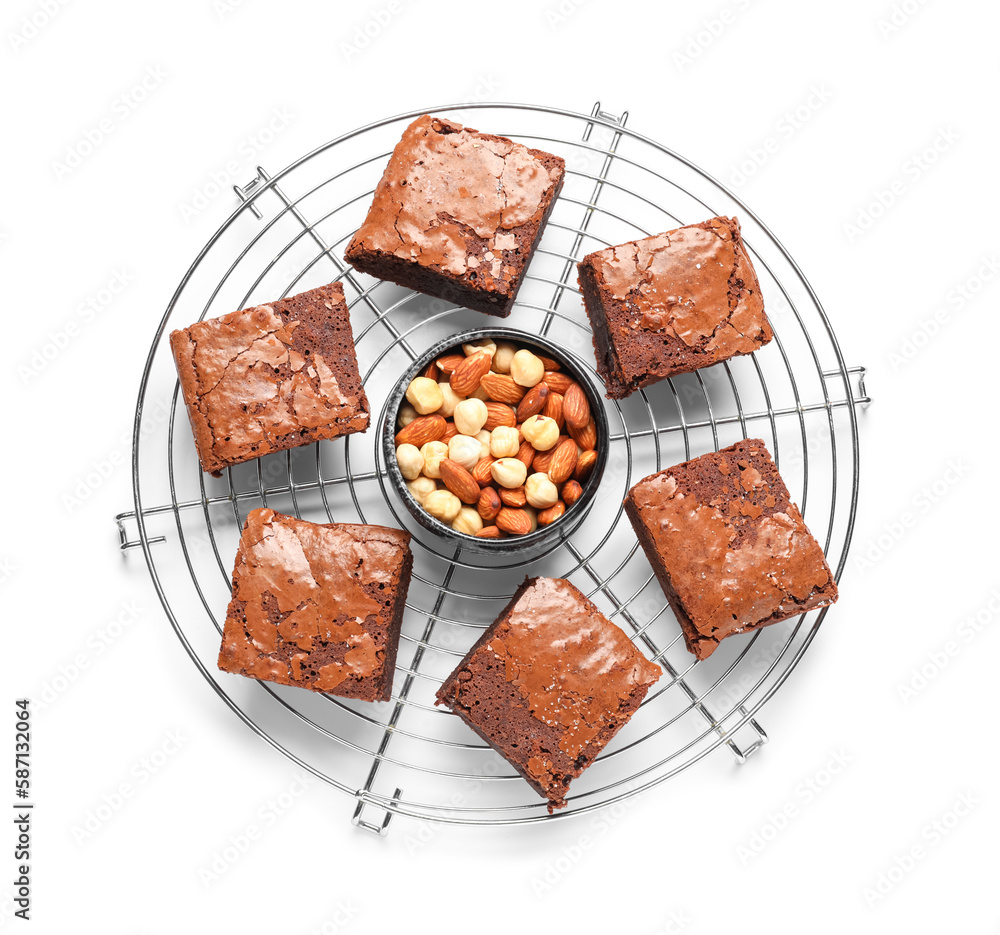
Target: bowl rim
[{"x": 582, "y": 375}]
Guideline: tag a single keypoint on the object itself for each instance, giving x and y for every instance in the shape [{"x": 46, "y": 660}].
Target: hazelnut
[
  {"x": 433, "y": 454},
  {"x": 540, "y": 491},
  {"x": 443, "y": 505},
  {"x": 406, "y": 415},
  {"x": 465, "y": 450},
  {"x": 483, "y": 344},
  {"x": 410, "y": 461},
  {"x": 470, "y": 416},
  {"x": 421, "y": 487},
  {"x": 483, "y": 437},
  {"x": 541, "y": 431},
  {"x": 450, "y": 400},
  {"x": 509, "y": 472},
  {"x": 468, "y": 521},
  {"x": 425, "y": 395},
  {"x": 503, "y": 356},
  {"x": 504, "y": 442},
  {"x": 526, "y": 368}
]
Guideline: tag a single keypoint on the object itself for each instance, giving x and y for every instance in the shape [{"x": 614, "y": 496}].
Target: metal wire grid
[{"x": 373, "y": 752}]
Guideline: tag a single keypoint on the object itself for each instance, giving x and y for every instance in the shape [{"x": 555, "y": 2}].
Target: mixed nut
[{"x": 495, "y": 440}]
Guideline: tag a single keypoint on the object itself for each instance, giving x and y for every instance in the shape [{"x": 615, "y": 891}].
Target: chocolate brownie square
[
  {"x": 458, "y": 214},
  {"x": 317, "y": 605},
  {"x": 728, "y": 546},
  {"x": 672, "y": 303},
  {"x": 270, "y": 377},
  {"x": 548, "y": 684}
]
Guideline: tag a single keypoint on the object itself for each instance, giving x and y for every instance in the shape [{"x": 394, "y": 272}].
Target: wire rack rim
[{"x": 391, "y": 805}]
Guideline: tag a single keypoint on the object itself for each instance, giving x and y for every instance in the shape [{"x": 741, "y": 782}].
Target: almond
[
  {"x": 513, "y": 496},
  {"x": 466, "y": 376},
  {"x": 502, "y": 388},
  {"x": 557, "y": 382},
  {"x": 526, "y": 453},
  {"x": 563, "y": 462},
  {"x": 584, "y": 465},
  {"x": 542, "y": 459},
  {"x": 449, "y": 362},
  {"x": 554, "y": 409},
  {"x": 498, "y": 414},
  {"x": 513, "y": 521},
  {"x": 586, "y": 437},
  {"x": 431, "y": 372},
  {"x": 450, "y": 431},
  {"x": 421, "y": 430},
  {"x": 489, "y": 504},
  {"x": 549, "y": 363},
  {"x": 551, "y": 514},
  {"x": 533, "y": 402},
  {"x": 459, "y": 481},
  {"x": 489, "y": 532},
  {"x": 481, "y": 473},
  {"x": 571, "y": 491},
  {"x": 576, "y": 409}
]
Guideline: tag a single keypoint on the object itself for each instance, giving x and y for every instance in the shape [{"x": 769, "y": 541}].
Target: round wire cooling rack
[{"x": 406, "y": 756}]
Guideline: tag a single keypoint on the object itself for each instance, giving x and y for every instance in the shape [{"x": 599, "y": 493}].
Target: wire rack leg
[
  {"x": 124, "y": 542},
  {"x": 363, "y": 793},
  {"x": 741, "y": 753}
]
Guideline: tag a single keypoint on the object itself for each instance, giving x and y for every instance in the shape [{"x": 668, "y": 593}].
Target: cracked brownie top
[
  {"x": 316, "y": 605},
  {"x": 730, "y": 549},
  {"x": 672, "y": 303},
  {"x": 549, "y": 684},
  {"x": 270, "y": 377},
  {"x": 462, "y": 204}
]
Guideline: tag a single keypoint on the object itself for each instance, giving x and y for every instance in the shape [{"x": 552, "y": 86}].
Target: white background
[{"x": 711, "y": 80}]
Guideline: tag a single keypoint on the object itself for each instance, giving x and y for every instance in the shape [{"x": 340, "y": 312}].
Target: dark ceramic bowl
[{"x": 543, "y": 535}]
